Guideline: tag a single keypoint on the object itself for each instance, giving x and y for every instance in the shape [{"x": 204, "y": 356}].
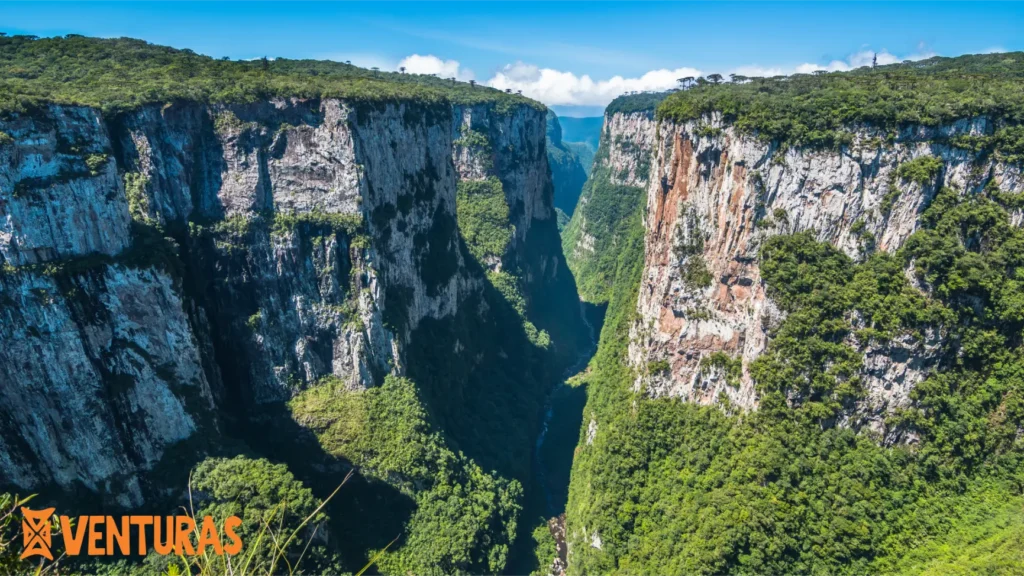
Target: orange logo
[
  {"x": 102, "y": 535},
  {"x": 35, "y": 528}
]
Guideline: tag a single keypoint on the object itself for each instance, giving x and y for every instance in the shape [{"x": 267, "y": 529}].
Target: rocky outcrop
[
  {"x": 100, "y": 373},
  {"x": 59, "y": 187},
  {"x": 172, "y": 262},
  {"x": 715, "y": 194},
  {"x": 630, "y": 139},
  {"x": 210, "y": 162},
  {"x": 514, "y": 152}
]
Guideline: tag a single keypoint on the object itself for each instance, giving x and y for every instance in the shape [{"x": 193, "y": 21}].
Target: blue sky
[{"x": 565, "y": 54}]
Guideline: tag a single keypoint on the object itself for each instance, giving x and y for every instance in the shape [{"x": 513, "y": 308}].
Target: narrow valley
[{"x": 412, "y": 323}]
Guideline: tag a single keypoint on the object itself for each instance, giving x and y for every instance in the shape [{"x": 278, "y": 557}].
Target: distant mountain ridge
[
  {"x": 585, "y": 130},
  {"x": 567, "y": 170}
]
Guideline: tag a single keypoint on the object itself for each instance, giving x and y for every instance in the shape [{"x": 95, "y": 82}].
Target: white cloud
[
  {"x": 563, "y": 88},
  {"x": 864, "y": 58},
  {"x": 759, "y": 71},
  {"x": 555, "y": 87},
  {"x": 431, "y": 64}
]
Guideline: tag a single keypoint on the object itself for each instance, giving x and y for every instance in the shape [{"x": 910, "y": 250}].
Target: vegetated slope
[
  {"x": 612, "y": 196},
  {"x": 567, "y": 172},
  {"x": 214, "y": 265},
  {"x": 875, "y": 426},
  {"x": 584, "y": 152}
]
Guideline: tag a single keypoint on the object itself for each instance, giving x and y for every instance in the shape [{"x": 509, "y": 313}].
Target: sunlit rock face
[
  {"x": 308, "y": 239},
  {"x": 717, "y": 194}
]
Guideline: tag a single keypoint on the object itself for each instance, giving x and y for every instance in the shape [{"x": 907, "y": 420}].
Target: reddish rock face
[{"x": 715, "y": 199}]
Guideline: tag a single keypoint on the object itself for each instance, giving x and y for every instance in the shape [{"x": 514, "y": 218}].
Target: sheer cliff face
[
  {"x": 714, "y": 195},
  {"x": 100, "y": 373},
  {"x": 56, "y": 204},
  {"x": 309, "y": 239},
  {"x": 568, "y": 173}
]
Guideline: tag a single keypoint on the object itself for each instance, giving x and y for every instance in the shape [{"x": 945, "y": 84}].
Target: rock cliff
[
  {"x": 568, "y": 171},
  {"x": 715, "y": 194},
  {"x": 813, "y": 321},
  {"x": 171, "y": 265}
]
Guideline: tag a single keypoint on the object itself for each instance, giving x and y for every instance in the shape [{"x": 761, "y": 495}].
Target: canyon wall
[
  {"x": 170, "y": 265},
  {"x": 715, "y": 194}
]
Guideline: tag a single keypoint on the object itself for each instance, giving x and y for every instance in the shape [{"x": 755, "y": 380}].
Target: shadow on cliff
[
  {"x": 482, "y": 378},
  {"x": 553, "y": 301},
  {"x": 366, "y": 514}
]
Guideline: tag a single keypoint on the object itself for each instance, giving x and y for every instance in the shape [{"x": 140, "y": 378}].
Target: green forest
[
  {"x": 818, "y": 109},
  {"x": 669, "y": 487},
  {"x": 123, "y": 73},
  {"x": 678, "y": 488}
]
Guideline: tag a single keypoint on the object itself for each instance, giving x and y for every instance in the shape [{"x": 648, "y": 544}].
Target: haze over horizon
[{"x": 573, "y": 57}]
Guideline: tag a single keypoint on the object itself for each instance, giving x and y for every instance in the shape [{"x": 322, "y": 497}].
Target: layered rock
[
  {"x": 310, "y": 239},
  {"x": 714, "y": 194},
  {"x": 630, "y": 140},
  {"x": 100, "y": 373},
  {"x": 59, "y": 187}
]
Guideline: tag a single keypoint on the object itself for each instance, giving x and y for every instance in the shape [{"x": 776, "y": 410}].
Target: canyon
[
  {"x": 176, "y": 274},
  {"x": 716, "y": 194},
  {"x": 754, "y": 347}
]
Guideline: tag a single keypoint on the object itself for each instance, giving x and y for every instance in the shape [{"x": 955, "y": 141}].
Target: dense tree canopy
[
  {"x": 124, "y": 73},
  {"x": 465, "y": 518},
  {"x": 670, "y": 487},
  {"x": 818, "y": 109}
]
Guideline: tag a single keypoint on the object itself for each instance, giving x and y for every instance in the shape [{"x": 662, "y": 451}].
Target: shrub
[
  {"x": 658, "y": 367},
  {"x": 732, "y": 368},
  {"x": 483, "y": 217},
  {"x": 920, "y": 170},
  {"x": 135, "y": 190},
  {"x": 892, "y": 194},
  {"x": 695, "y": 274},
  {"x": 283, "y": 525},
  {"x": 94, "y": 162},
  {"x": 473, "y": 139}
]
